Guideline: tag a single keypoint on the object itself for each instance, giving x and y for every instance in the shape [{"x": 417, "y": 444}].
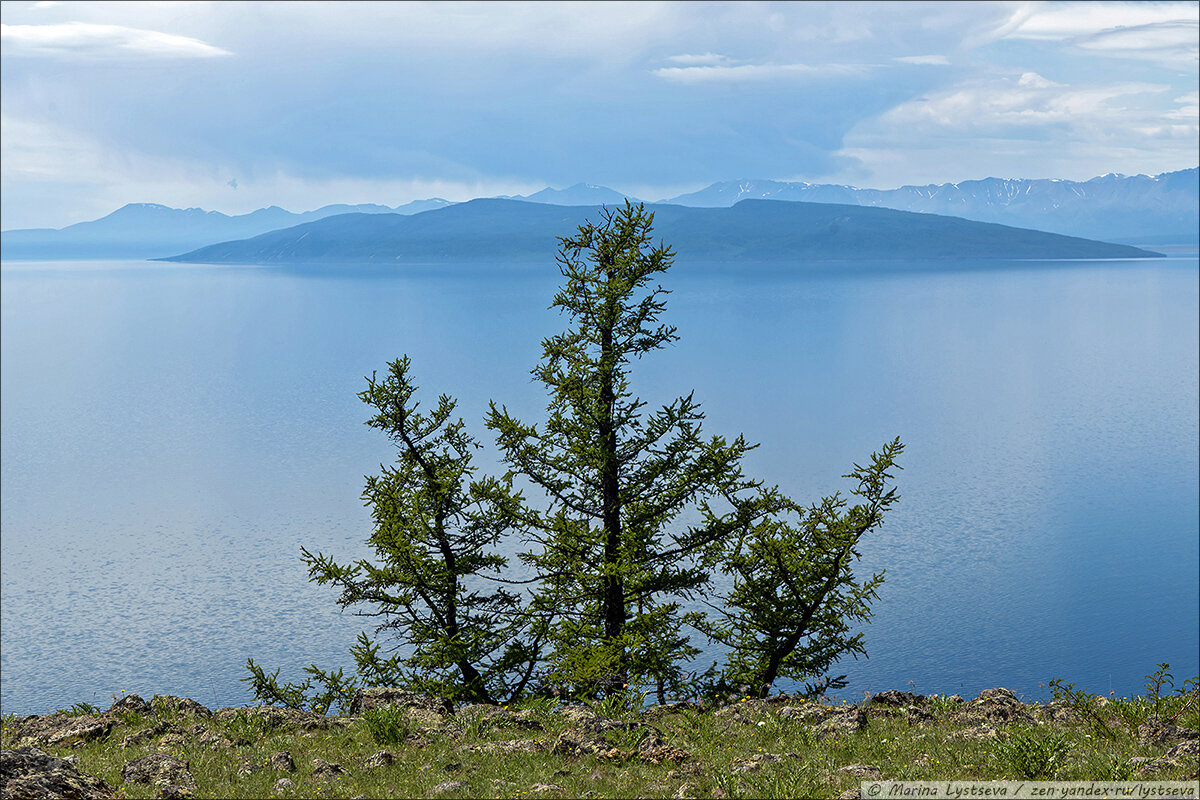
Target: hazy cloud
[
  {"x": 702, "y": 60},
  {"x": 756, "y": 72},
  {"x": 89, "y": 40},
  {"x": 1068, "y": 20},
  {"x": 936, "y": 60},
  {"x": 1175, "y": 43}
]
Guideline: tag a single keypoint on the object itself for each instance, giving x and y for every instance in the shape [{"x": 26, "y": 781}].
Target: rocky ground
[{"x": 174, "y": 747}]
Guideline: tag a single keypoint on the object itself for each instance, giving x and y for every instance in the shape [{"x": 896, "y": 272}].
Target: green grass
[{"x": 756, "y": 753}]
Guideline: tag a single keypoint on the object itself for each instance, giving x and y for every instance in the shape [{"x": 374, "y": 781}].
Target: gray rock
[
  {"x": 754, "y": 763},
  {"x": 131, "y": 702},
  {"x": 381, "y": 759},
  {"x": 994, "y": 706},
  {"x": 864, "y": 771},
  {"x": 282, "y": 762},
  {"x": 172, "y": 791},
  {"x": 448, "y": 787},
  {"x": 274, "y": 718},
  {"x": 27, "y": 773},
  {"x": 179, "y": 705},
  {"x": 377, "y": 696},
  {"x": 159, "y": 768},
  {"x": 654, "y": 749},
  {"x": 60, "y": 730},
  {"x": 893, "y": 698},
  {"x": 160, "y": 728},
  {"x": 1157, "y": 734},
  {"x": 321, "y": 767},
  {"x": 806, "y": 712},
  {"x": 284, "y": 785},
  {"x": 845, "y": 721},
  {"x": 576, "y": 742}
]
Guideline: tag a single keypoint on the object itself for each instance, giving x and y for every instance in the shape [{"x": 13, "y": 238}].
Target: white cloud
[
  {"x": 935, "y": 60},
  {"x": 702, "y": 60},
  {"x": 1030, "y": 100},
  {"x": 1026, "y": 126},
  {"x": 756, "y": 72},
  {"x": 1068, "y": 20},
  {"x": 90, "y": 40},
  {"x": 1173, "y": 43}
]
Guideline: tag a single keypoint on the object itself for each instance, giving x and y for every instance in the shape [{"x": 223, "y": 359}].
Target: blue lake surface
[{"x": 173, "y": 434}]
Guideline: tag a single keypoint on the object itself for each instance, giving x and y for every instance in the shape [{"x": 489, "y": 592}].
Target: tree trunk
[{"x": 614, "y": 588}]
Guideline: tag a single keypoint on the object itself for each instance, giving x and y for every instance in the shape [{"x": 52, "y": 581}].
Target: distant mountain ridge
[
  {"x": 498, "y": 230},
  {"x": 1110, "y": 208},
  {"x": 149, "y": 230},
  {"x": 1130, "y": 209}
]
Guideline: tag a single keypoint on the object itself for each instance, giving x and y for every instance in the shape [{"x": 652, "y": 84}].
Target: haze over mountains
[
  {"x": 150, "y": 230},
  {"x": 1114, "y": 208},
  {"x": 752, "y": 230}
]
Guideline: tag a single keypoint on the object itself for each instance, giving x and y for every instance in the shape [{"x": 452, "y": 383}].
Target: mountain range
[
  {"x": 496, "y": 230},
  {"x": 148, "y": 230},
  {"x": 1135, "y": 209}
]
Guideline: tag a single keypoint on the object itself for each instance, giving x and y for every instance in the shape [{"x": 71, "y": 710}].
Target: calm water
[{"x": 173, "y": 434}]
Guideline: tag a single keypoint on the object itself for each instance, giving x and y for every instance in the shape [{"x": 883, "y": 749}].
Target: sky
[{"x": 233, "y": 106}]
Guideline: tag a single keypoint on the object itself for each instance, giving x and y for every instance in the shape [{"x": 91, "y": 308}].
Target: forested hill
[{"x": 758, "y": 230}]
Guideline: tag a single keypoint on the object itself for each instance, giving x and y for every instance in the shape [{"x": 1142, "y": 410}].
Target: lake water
[{"x": 173, "y": 434}]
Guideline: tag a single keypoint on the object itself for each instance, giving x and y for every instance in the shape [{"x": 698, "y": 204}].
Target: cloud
[
  {"x": 66, "y": 177},
  {"x": 1028, "y": 126},
  {"x": 936, "y": 60},
  {"x": 93, "y": 41},
  {"x": 1030, "y": 100},
  {"x": 703, "y": 60},
  {"x": 1175, "y": 43},
  {"x": 756, "y": 72},
  {"x": 1166, "y": 33},
  {"x": 1069, "y": 20}
]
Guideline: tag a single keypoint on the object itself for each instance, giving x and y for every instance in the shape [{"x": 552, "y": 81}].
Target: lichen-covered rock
[
  {"x": 811, "y": 713},
  {"x": 27, "y": 773},
  {"x": 977, "y": 733},
  {"x": 179, "y": 705},
  {"x": 279, "y": 718},
  {"x": 131, "y": 702},
  {"x": 282, "y": 762},
  {"x": 754, "y": 763},
  {"x": 508, "y": 746},
  {"x": 160, "y": 728},
  {"x": 896, "y": 699},
  {"x": 381, "y": 759},
  {"x": 284, "y": 785},
  {"x": 172, "y": 791},
  {"x": 994, "y": 706},
  {"x": 377, "y": 696},
  {"x": 323, "y": 768},
  {"x": 576, "y": 742},
  {"x": 654, "y": 749},
  {"x": 744, "y": 710},
  {"x": 448, "y": 787},
  {"x": 1157, "y": 734},
  {"x": 864, "y": 771},
  {"x": 172, "y": 740},
  {"x": 60, "y": 729},
  {"x": 159, "y": 768},
  {"x": 844, "y": 721}
]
